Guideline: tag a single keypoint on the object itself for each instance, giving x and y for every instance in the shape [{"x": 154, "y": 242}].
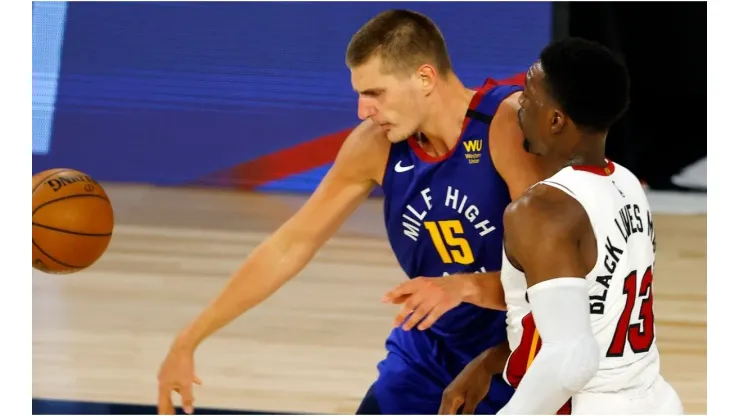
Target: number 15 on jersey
[{"x": 449, "y": 240}]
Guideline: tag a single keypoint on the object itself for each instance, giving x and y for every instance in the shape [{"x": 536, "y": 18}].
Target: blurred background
[{"x": 209, "y": 122}]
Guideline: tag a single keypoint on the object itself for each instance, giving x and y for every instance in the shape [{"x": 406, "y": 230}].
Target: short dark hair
[
  {"x": 590, "y": 82},
  {"x": 403, "y": 39}
]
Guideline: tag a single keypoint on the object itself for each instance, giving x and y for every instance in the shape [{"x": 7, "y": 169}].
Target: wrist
[
  {"x": 469, "y": 287},
  {"x": 482, "y": 289},
  {"x": 494, "y": 359},
  {"x": 185, "y": 341}
]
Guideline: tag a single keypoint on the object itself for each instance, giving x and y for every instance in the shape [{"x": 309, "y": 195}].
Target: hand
[
  {"x": 426, "y": 298},
  {"x": 177, "y": 374},
  {"x": 473, "y": 382},
  {"x": 468, "y": 389}
]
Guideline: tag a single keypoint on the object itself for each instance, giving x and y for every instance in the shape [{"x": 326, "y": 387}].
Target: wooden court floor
[{"x": 100, "y": 334}]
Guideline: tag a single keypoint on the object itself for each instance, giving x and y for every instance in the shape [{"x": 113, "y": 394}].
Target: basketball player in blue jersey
[{"x": 449, "y": 160}]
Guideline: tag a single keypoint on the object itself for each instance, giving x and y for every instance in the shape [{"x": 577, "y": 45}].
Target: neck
[
  {"x": 590, "y": 150},
  {"x": 449, "y": 104}
]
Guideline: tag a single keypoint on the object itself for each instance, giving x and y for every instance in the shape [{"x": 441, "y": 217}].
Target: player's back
[{"x": 620, "y": 288}]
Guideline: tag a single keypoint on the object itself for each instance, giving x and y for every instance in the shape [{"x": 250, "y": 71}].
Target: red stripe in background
[
  {"x": 282, "y": 164},
  {"x": 299, "y": 158}
]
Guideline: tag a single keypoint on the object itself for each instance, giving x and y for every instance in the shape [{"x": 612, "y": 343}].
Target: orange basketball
[{"x": 72, "y": 221}]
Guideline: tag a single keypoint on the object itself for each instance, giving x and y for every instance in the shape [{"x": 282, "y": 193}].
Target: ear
[
  {"x": 427, "y": 78},
  {"x": 557, "y": 121}
]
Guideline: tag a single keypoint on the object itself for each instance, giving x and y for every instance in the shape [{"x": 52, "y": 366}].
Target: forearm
[
  {"x": 494, "y": 358},
  {"x": 569, "y": 356},
  {"x": 266, "y": 269},
  {"x": 484, "y": 290},
  {"x": 541, "y": 391}
]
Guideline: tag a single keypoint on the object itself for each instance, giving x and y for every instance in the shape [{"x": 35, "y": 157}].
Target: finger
[
  {"x": 412, "y": 303},
  {"x": 420, "y": 312},
  {"x": 450, "y": 404},
  {"x": 470, "y": 405},
  {"x": 431, "y": 318},
  {"x": 402, "y": 315},
  {"x": 186, "y": 392},
  {"x": 405, "y": 288},
  {"x": 399, "y": 300},
  {"x": 164, "y": 402},
  {"x": 197, "y": 380}
]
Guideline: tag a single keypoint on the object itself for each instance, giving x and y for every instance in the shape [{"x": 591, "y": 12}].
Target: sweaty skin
[{"x": 358, "y": 168}]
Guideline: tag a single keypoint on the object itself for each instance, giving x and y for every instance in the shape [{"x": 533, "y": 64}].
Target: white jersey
[{"x": 620, "y": 287}]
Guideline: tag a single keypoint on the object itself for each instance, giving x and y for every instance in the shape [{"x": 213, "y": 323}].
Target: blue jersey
[{"x": 444, "y": 215}]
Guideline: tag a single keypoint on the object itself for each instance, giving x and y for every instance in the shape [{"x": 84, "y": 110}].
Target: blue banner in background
[
  {"x": 48, "y": 33},
  {"x": 169, "y": 93}
]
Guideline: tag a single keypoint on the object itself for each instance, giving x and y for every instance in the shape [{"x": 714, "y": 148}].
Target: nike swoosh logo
[{"x": 401, "y": 169}]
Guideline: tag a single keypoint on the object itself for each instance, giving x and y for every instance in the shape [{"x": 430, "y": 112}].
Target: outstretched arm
[
  {"x": 546, "y": 231},
  {"x": 358, "y": 167},
  {"x": 287, "y": 251}
]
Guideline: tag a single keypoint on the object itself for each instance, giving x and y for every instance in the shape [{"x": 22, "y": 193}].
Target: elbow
[
  {"x": 279, "y": 258},
  {"x": 582, "y": 365},
  {"x": 295, "y": 250},
  {"x": 593, "y": 354}
]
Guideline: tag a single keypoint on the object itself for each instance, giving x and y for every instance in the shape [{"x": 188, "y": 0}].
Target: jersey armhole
[
  {"x": 565, "y": 189},
  {"x": 386, "y": 166},
  {"x": 513, "y": 264}
]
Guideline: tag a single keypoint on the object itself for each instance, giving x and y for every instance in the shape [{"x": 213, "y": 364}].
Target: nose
[{"x": 365, "y": 109}]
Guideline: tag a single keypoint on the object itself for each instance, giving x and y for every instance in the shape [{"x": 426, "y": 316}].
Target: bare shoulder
[
  {"x": 548, "y": 234},
  {"x": 504, "y": 126},
  {"x": 516, "y": 166},
  {"x": 507, "y": 111},
  {"x": 511, "y": 103},
  {"x": 544, "y": 210},
  {"x": 364, "y": 153}
]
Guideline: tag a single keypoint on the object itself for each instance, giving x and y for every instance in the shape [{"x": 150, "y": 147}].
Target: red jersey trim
[
  {"x": 598, "y": 170},
  {"x": 426, "y": 157}
]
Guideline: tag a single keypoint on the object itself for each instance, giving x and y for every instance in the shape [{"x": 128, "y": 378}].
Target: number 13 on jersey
[
  {"x": 449, "y": 241},
  {"x": 640, "y": 337}
]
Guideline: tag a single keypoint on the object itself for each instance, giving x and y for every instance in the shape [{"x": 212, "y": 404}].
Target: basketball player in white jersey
[{"x": 581, "y": 252}]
